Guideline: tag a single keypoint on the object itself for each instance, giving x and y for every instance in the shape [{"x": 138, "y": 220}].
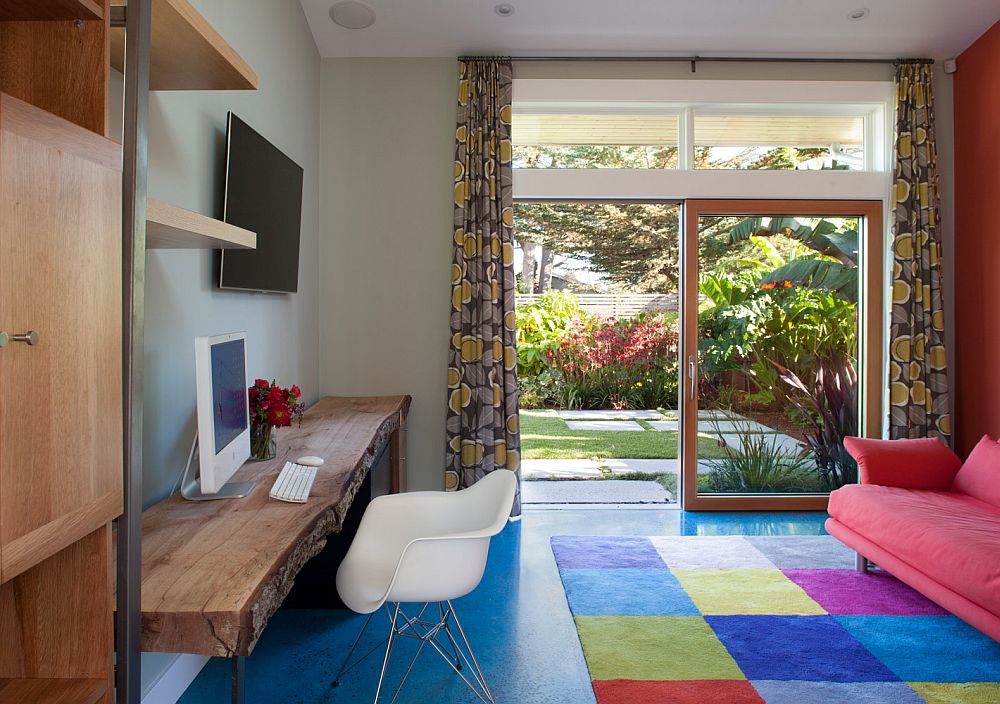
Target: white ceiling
[{"x": 894, "y": 28}]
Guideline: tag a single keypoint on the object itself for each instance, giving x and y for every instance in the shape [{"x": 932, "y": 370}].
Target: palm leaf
[
  {"x": 822, "y": 274},
  {"x": 823, "y": 237}
]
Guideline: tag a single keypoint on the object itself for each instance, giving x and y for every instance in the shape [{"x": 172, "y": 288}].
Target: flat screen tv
[{"x": 263, "y": 194}]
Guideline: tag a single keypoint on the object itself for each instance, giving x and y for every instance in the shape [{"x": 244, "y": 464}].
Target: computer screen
[
  {"x": 223, "y": 422},
  {"x": 229, "y": 392}
]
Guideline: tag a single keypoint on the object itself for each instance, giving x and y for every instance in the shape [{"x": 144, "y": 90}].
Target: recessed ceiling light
[
  {"x": 352, "y": 14},
  {"x": 504, "y": 9},
  {"x": 858, "y": 14}
]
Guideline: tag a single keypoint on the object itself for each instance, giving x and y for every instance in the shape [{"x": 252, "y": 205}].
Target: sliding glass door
[{"x": 782, "y": 342}]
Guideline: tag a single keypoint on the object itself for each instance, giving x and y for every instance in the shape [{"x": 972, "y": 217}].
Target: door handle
[
  {"x": 29, "y": 338},
  {"x": 691, "y": 377}
]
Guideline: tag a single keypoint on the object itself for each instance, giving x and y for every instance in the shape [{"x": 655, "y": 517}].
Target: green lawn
[{"x": 545, "y": 436}]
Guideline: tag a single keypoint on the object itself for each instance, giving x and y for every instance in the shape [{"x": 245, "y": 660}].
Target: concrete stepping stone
[
  {"x": 710, "y": 426},
  {"x": 611, "y": 491},
  {"x": 665, "y": 424},
  {"x": 733, "y": 426},
  {"x": 618, "y": 425},
  {"x": 610, "y": 415},
  {"x": 720, "y": 413},
  {"x": 560, "y": 469},
  {"x": 664, "y": 466},
  {"x": 787, "y": 444}
]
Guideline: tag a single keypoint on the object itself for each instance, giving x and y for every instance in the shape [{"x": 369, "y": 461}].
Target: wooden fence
[{"x": 615, "y": 305}]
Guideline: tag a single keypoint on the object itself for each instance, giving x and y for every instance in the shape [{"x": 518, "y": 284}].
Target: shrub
[
  {"x": 759, "y": 465},
  {"x": 749, "y": 327},
  {"x": 624, "y": 363},
  {"x": 831, "y": 406},
  {"x": 540, "y": 326}
]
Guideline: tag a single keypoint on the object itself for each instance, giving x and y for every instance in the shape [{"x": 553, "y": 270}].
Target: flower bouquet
[{"x": 271, "y": 406}]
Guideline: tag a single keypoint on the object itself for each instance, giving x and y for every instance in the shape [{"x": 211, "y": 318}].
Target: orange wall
[{"x": 976, "y": 356}]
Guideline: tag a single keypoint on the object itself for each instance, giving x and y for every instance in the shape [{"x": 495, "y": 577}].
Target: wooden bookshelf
[
  {"x": 52, "y": 691},
  {"x": 186, "y": 53},
  {"x": 171, "y": 227},
  {"x": 44, "y": 10}
]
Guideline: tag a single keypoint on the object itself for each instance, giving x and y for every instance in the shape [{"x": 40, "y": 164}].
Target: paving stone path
[{"x": 612, "y": 491}]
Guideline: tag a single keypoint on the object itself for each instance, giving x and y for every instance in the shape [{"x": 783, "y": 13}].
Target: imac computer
[{"x": 223, "y": 438}]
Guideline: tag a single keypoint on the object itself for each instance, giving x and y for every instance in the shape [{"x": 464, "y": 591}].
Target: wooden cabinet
[
  {"x": 61, "y": 406},
  {"x": 60, "y": 276}
]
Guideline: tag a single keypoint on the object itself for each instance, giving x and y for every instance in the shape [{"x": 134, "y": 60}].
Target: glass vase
[{"x": 263, "y": 442}]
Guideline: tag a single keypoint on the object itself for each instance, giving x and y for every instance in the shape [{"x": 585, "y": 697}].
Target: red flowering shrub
[{"x": 617, "y": 363}]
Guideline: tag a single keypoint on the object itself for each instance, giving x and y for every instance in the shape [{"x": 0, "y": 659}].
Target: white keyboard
[{"x": 294, "y": 483}]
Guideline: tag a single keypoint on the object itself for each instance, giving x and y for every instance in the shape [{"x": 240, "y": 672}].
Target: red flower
[
  {"x": 273, "y": 405},
  {"x": 278, "y": 395},
  {"x": 279, "y": 417}
]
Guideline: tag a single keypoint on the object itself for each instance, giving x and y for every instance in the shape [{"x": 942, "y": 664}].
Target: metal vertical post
[
  {"x": 238, "y": 679},
  {"x": 129, "y": 567}
]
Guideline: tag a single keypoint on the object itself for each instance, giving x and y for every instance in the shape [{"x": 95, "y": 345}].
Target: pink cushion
[
  {"x": 980, "y": 475},
  {"x": 924, "y": 463},
  {"x": 952, "y": 538}
]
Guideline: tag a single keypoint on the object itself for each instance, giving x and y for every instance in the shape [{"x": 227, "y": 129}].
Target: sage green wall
[
  {"x": 186, "y": 168},
  {"x": 385, "y": 239}
]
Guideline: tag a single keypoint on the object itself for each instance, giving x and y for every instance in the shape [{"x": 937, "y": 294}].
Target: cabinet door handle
[{"x": 29, "y": 338}]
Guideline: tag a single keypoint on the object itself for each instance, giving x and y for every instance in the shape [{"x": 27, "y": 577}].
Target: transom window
[{"x": 697, "y": 134}]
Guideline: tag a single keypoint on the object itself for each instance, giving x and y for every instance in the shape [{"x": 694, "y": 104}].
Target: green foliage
[
  {"x": 830, "y": 403},
  {"x": 759, "y": 465},
  {"x": 747, "y": 327},
  {"x": 540, "y": 326},
  {"x": 617, "y": 363},
  {"x": 833, "y": 239},
  {"x": 824, "y": 274},
  {"x": 836, "y": 243}
]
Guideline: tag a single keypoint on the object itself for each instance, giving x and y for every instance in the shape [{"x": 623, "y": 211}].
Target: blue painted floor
[{"x": 517, "y": 621}]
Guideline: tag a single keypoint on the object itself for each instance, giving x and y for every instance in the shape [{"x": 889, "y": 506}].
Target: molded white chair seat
[{"x": 425, "y": 547}]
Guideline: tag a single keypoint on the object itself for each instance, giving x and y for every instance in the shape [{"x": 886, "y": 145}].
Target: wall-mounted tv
[{"x": 263, "y": 194}]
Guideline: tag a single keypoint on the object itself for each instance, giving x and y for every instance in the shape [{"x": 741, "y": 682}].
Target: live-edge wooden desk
[{"x": 214, "y": 572}]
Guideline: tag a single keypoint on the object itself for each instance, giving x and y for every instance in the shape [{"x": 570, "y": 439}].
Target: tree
[
  {"x": 529, "y": 265},
  {"x": 545, "y": 271},
  {"x": 633, "y": 245}
]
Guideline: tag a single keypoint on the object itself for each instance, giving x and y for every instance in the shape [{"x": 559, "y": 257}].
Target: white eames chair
[{"x": 425, "y": 548}]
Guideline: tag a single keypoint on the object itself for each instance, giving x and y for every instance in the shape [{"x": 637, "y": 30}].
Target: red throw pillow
[
  {"x": 980, "y": 475},
  {"x": 924, "y": 463}
]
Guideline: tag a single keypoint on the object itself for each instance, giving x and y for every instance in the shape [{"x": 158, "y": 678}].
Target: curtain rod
[{"x": 706, "y": 59}]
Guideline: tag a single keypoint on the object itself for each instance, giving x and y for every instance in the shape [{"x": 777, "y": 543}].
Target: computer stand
[{"x": 191, "y": 486}]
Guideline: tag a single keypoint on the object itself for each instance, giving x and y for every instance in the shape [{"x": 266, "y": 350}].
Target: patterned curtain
[
  {"x": 918, "y": 384},
  {"x": 482, "y": 425}
]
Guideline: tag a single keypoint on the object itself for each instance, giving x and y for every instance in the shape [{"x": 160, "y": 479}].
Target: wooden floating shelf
[
  {"x": 186, "y": 53},
  {"x": 44, "y": 10},
  {"x": 52, "y": 691},
  {"x": 170, "y": 227}
]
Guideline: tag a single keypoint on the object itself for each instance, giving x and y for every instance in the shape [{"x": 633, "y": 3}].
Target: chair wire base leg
[
  {"x": 435, "y": 632},
  {"x": 451, "y": 640},
  {"x": 388, "y": 652},
  {"x": 357, "y": 639}
]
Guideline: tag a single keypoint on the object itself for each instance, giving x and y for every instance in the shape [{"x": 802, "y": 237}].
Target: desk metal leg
[{"x": 238, "y": 677}]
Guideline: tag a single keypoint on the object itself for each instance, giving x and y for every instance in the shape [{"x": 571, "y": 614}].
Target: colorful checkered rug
[{"x": 782, "y": 620}]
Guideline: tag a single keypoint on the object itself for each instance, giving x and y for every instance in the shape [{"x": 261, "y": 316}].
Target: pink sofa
[{"x": 929, "y": 520}]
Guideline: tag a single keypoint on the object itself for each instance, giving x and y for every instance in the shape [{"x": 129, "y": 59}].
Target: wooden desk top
[{"x": 214, "y": 572}]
